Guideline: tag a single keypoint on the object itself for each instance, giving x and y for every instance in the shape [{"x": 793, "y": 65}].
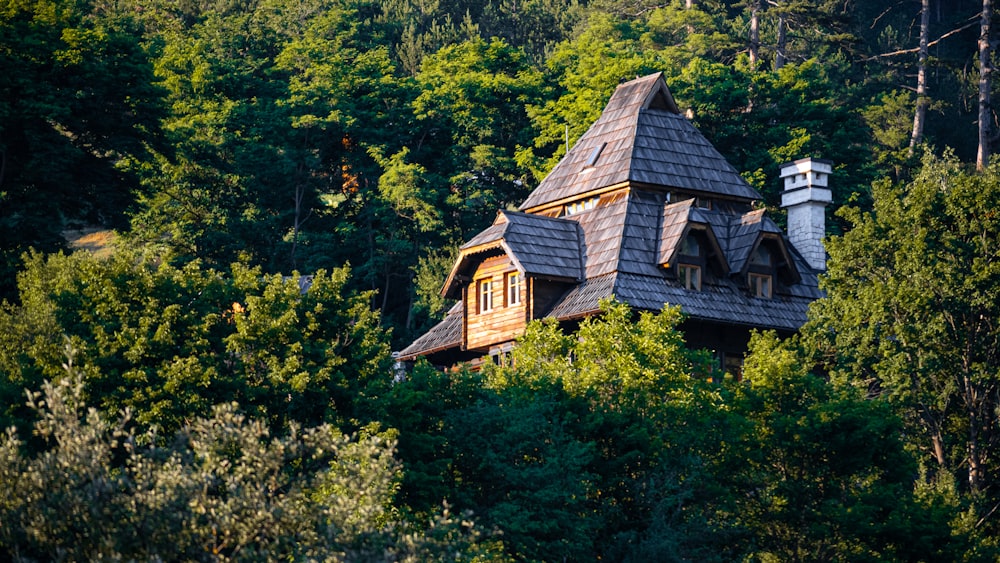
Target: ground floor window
[{"x": 733, "y": 365}]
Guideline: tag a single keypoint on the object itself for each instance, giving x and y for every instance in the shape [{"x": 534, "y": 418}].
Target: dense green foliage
[
  {"x": 234, "y": 144},
  {"x": 911, "y": 317},
  {"x": 223, "y": 490},
  {"x": 381, "y": 133},
  {"x": 170, "y": 342}
]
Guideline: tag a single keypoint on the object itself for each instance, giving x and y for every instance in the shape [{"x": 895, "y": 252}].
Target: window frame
[
  {"x": 514, "y": 283},
  {"x": 485, "y": 292},
  {"x": 684, "y": 271},
  {"x": 757, "y": 281}
]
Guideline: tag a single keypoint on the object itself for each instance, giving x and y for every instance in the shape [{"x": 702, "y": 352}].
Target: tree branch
[{"x": 915, "y": 49}]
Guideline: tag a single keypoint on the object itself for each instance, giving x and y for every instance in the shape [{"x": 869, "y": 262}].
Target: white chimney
[{"x": 805, "y": 197}]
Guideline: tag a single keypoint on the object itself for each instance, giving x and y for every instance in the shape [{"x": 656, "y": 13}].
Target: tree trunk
[
  {"x": 755, "y": 34},
  {"x": 985, "y": 82},
  {"x": 918, "y": 117},
  {"x": 779, "y": 55}
]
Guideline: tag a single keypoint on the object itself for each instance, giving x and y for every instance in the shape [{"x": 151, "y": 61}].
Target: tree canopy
[{"x": 288, "y": 182}]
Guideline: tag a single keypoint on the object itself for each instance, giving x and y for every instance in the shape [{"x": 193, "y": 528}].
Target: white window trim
[
  {"x": 485, "y": 295},
  {"x": 514, "y": 283}
]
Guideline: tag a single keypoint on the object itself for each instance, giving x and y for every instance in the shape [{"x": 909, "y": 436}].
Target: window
[
  {"x": 760, "y": 285},
  {"x": 501, "y": 355},
  {"x": 760, "y": 278},
  {"x": 485, "y": 296},
  {"x": 690, "y": 246},
  {"x": 513, "y": 288},
  {"x": 580, "y": 206},
  {"x": 689, "y": 270},
  {"x": 732, "y": 364},
  {"x": 761, "y": 256},
  {"x": 594, "y": 155},
  {"x": 690, "y": 276}
]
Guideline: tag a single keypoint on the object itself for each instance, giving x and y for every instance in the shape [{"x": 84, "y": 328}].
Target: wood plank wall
[{"x": 505, "y": 322}]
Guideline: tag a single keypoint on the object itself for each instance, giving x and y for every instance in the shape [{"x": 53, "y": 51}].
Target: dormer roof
[
  {"x": 748, "y": 232},
  {"x": 642, "y": 139},
  {"x": 537, "y": 245},
  {"x": 679, "y": 220}
]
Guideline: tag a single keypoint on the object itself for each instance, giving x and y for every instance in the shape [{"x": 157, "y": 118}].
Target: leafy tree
[
  {"x": 472, "y": 118},
  {"x": 587, "y": 69},
  {"x": 79, "y": 108},
  {"x": 224, "y": 490},
  {"x": 566, "y": 459},
  {"x": 830, "y": 476},
  {"x": 912, "y": 292},
  {"x": 737, "y": 110},
  {"x": 171, "y": 342}
]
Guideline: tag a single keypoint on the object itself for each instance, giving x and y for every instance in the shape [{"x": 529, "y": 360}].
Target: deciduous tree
[
  {"x": 910, "y": 315},
  {"x": 225, "y": 489}
]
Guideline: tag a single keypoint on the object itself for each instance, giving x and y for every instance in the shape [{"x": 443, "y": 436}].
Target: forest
[{"x": 176, "y": 395}]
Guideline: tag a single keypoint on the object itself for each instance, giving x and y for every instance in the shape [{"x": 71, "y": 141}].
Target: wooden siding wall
[{"x": 504, "y": 322}]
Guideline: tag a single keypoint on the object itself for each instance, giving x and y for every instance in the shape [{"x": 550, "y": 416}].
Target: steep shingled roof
[
  {"x": 630, "y": 235},
  {"x": 642, "y": 138}
]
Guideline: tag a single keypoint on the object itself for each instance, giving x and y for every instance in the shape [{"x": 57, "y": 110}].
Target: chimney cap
[
  {"x": 804, "y": 164},
  {"x": 826, "y": 161}
]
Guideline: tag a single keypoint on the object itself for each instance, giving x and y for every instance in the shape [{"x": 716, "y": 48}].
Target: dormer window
[
  {"x": 690, "y": 262},
  {"x": 760, "y": 285},
  {"x": 760, "y": 278},
  {"x": 689, "y": 276}
]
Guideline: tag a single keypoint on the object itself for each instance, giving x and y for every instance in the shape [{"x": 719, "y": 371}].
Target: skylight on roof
[{"x": 594, "y": 155}]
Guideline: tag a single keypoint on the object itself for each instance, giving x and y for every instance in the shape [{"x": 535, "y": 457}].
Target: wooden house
[{"x": 643, "y": 209}]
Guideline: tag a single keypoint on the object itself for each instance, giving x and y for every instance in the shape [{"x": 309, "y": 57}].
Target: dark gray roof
[
  {"x": 442, "y": 336},
  {"x": 675, "y": 221},
  {"x": 679, "y": 218},
  {"x": 584, "y": 298},
  {"x": 715, "y": 302},
  {"x": 602, "y": 237},
  {"x": 538, "y": 246},
  {"x": 641, "y": 137},
  {"x": 543, "y": 246},
  {"x": 744, "y": 232},
  {"x": 637, "y": 225}
]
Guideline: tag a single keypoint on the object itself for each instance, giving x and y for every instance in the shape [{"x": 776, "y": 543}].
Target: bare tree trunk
[
  {"x": 689, "y": 4},
  {"x": 921, "y": 112},
  {"x": 985, "y": 82},
  {"x": 779, "y": 55},
  {"x": 755, "y": 34}
]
